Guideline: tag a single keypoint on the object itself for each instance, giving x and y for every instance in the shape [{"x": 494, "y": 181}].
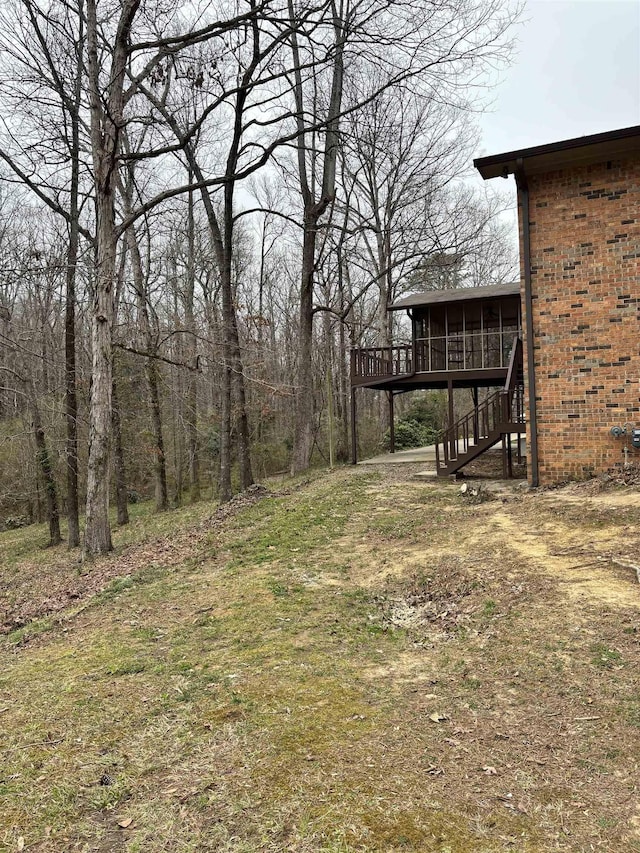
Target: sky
[{"x": 576, "y": 71}]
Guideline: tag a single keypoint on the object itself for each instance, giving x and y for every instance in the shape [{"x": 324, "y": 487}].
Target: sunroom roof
[{"x": 460, "y": 294}]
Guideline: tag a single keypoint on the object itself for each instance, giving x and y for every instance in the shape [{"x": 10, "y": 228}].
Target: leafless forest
[{"x": 203, "y": 206}]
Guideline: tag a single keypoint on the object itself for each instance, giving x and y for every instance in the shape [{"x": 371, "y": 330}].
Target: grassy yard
[{"x": 360, "y": 662}]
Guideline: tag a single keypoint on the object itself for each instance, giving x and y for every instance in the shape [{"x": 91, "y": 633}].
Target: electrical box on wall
[{"x": 635, "y": 437}]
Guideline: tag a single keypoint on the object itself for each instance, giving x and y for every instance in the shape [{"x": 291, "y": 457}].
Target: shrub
[
  {"x": 421, "y": 424},
  {"x": 13, "y": 522},
  {"x": 410, "y": 433}
]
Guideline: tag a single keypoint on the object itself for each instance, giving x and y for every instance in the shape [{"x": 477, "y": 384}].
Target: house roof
[
  {"x": 460, "y": 294},
  {"x": 582, "y": 150}
]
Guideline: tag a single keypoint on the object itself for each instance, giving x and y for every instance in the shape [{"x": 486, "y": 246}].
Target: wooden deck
[{"x": 412, "y": 366}]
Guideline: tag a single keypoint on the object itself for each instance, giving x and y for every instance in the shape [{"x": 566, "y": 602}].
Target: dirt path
[{"x": 585, "y": 568}]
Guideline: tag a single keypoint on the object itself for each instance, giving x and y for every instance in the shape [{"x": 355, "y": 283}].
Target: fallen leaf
[
  {"x": 125, "y": 822},
  {"x": 438, "y": 718}
]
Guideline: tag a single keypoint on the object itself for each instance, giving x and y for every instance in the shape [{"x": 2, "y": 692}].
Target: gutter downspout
[{"x": 523, "y": 193}]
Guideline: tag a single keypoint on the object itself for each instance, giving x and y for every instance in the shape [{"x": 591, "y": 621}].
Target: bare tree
[
  {"x": 432, "y": 47},
  {"x": 43, "y": 52},
  {"x": 110, "y": 89}
]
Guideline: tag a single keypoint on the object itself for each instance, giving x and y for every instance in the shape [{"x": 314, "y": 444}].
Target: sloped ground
[{"x": 368, "y": 663}]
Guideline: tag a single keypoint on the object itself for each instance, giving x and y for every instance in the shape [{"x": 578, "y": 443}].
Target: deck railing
[
  {"x": 376, "y": 362},
  {"x": 435, "y": 355}
]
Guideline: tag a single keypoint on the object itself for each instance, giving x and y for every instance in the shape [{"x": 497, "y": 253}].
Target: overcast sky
[{"x": 576, "y": 72}]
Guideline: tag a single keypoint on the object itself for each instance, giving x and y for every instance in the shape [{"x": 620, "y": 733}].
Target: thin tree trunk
[
  {"x": 150, "y": 365},
  {"x": 222, "y": 241},
  {"x": 46, "y": 469},
  {"x": 343, "y": 364},
  {"x": 71, "y": 397},
  {"x": 159, "y": 465},
  {"x": 225, "y": 491},
  {"x": 118, "y": 458},
  {"x": 383, "y": 314},
  {"x": 303, "y": 430},
  {"x": 229, "y": 317},
  {"x": 192, "y": 356},
  {"x": 313, "y": 210}
]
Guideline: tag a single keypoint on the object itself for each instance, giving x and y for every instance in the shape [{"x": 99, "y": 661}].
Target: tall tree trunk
[
  {"x": 106, "y": 124},
  {"x": 229, "y": 317},
  {"x": 98, "y": 531},
  {"x": 159, "y": 464},
  {"x": 118, "y": 459},
  {"x": 46, "y": 468},
  {"x": 225, "y": 492},
  {"x": 329, "y": 389},
  {"x": 150, "y": 365},
  {"x": 192, "y": 357},
  {"x": 233, "y": 371},
  {"x": 344, "y": 363},
  {"x": 233, "y": 389},
  {"x": 71, "y": 397},
  {"x": 304, "y": 414},
  {"x": 384, "y": 337},
  {"x": 313, "y": 210}
]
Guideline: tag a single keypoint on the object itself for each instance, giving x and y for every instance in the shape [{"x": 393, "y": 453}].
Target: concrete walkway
[
  {"x": 422, "y": 454},
  {"x": 416, "y": 454}
]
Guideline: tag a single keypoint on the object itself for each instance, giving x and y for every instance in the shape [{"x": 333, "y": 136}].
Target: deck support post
[
  {"x": 354, "y": 436},
  {"x": 474, "y": 393},
  {"x": 505, "y": 440},
  {"x": 392, "y": 426},
  {"x": 453, "y": 451}
]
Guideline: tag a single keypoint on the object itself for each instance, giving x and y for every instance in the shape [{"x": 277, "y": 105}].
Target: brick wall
[{"x": 585, "y": 269}]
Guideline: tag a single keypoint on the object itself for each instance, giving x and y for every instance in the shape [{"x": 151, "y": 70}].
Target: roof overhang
[
  {"x": 460, "y": 294},
  {"x": 581, "y": 151}
]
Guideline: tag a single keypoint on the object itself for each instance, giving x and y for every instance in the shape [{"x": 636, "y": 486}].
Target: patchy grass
[{"x": 362, "y": 664}]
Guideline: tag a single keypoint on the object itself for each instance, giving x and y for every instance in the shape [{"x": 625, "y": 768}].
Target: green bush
[
  {"x": 411, "y": 433},
  {"x": 428, "y": 409},
  {"x": 421, "y": 424}
]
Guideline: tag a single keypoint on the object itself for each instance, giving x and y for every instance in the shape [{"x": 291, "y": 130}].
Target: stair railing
[
  {"x": 515, "y": 363},
  {"x": 489, "y": 419}
]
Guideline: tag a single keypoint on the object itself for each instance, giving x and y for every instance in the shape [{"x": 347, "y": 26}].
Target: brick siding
[{"x": 585, "y": 273}]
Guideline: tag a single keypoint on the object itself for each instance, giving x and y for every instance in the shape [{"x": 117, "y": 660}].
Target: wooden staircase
[{"x": 491, "y": 421}]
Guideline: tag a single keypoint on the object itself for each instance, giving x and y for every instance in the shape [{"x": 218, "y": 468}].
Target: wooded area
[{"x": 203, "y": 207}]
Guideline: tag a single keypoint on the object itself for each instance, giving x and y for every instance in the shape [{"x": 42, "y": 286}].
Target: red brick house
[
  {"x": 578, "y": 315},
  {"x": 579, "y": 216}
]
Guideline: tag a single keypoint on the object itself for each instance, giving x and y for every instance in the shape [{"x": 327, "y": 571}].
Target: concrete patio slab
[
  {"x": 423, "y": 454},
  {"x": 415, "y": 454}
]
